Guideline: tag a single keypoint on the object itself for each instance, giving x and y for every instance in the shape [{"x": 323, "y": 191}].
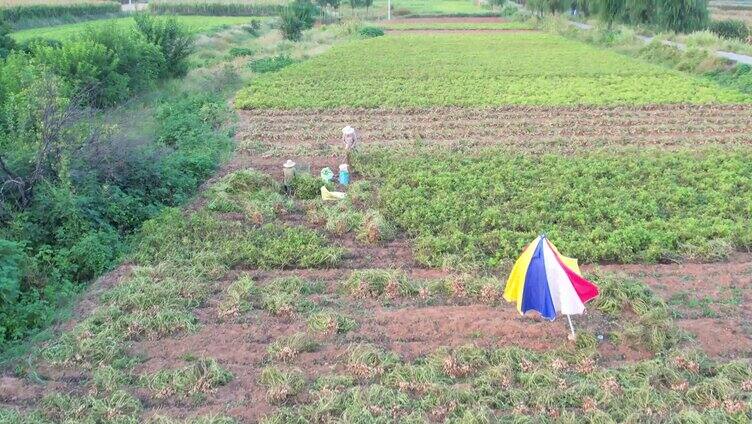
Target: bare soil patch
[{"x": 708, "y": 300}]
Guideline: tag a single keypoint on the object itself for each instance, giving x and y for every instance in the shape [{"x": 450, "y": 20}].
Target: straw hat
[
  {"x": 289, "y": 164},
  {"x": 348, "y": 130}
]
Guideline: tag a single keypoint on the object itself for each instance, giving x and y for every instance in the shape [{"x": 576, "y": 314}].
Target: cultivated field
[
  {"x": 256, "y": 304},
  {"x": 477, "y": 70},
  {"x": 195, "y": 24}
]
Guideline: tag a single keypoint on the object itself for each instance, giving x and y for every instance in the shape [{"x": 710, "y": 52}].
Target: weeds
[
  {"x": 239, "y": 297},
  {"x": 254, "y": 194},
  {"x": 287, "y": 348},
  {"x": 281, "y": 384},
  {"x": 196, "y": 379},
  {"x": 330, "y": 322}
]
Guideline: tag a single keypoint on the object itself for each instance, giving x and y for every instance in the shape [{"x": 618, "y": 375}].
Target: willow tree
[
  {"x": 682, "y": 15},
  {"x": 609, "y": 10}
]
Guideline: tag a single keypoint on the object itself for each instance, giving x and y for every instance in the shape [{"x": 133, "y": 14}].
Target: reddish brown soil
[
  {"x": 709, "y": 300},
  {"x": 565, "y": 130}
]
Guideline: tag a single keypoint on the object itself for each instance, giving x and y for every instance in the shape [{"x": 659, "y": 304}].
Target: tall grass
[
  {"x": 217, "y": 7},
  {"x": 20, "y": 13}
]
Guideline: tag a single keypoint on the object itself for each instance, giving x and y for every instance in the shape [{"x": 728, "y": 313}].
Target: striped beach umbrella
[{"x": 544, "y": 280}]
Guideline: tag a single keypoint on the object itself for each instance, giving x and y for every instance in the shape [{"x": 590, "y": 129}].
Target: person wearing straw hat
[{"x": 350, "y": 140}]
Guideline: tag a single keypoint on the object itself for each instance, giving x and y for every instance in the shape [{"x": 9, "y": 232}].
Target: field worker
[{"x": 349, "y": 138}]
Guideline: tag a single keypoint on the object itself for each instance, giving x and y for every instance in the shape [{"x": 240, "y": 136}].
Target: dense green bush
[
  {"x": 297, "y": 17},
  {"x": 16, "y": 15},
  {"x": 175, "y": 42},
  {"x": 369, "y": 32},
  {"x": 730, "y": 28},
  {"x": 11, "y": 258},
  {"x": 7, "y": 43},
  {"x": 87, "y": 66},
  {"x": 219, "y": 8},
  {"x": 141, "y": 61},
  {"x": 240, "y": 51},
  {"x": 271, "y": 64}
]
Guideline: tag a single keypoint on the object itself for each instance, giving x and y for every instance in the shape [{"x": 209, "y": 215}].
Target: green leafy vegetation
[
  {"x": 296, "y": 17},
  {"x": 270, "y": 64},
  {"x": 526, "y": 69},
  {"x": 638, "y": 207}
]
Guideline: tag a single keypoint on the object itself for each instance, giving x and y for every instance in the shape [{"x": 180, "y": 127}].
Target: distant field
[
  {"x": 196, "y": 24},
  {"x": 459, "y": 26},
  {"x": 475, "y": 70},
  {"x": 12, "y": 3},
  {"x": 437, "y": 7}
]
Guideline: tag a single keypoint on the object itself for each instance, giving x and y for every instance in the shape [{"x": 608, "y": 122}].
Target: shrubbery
[
  {"x": 297, "y": 17},
  {"x": 171, "y": 38},
  {"x": 730, "y": 28},
  {"x": 7, "y": 43},
  {"x": 74, "y": 190},
  {"x": 270, "y": 64},
  {"x": 369, "y": 32}
]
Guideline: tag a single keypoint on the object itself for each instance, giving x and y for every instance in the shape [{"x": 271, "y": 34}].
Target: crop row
[{"x": 475, "y": 70}]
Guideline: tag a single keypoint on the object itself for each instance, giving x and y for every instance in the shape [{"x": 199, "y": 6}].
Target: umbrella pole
[{"x": 571, "y": 327}]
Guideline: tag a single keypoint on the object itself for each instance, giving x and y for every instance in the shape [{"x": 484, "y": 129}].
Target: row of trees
[{"x": 672, "y": 15}]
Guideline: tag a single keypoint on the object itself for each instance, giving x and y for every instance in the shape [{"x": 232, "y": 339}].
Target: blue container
[{"x": 344, "y": 177}]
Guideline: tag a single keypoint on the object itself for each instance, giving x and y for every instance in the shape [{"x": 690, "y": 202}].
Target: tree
[
  {"x": 367, "y": 4},
  {"x": 175, "y": 42},
  {"x": 49, "y": 128},
  {"x": 610, "y": 10},
  {"x": 497, "y": 4},
  {"x": 7, "y": 43},
  {"x": 297, "y": 17},
  {"x": 682, "y": 15},
  {"x": 640, "y": 11},
  {"x": 355, "y": 3}
]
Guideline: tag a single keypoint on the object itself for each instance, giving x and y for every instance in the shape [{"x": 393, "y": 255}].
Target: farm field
[
  {"x": 397, "y": 25},
  {"x": 196, "y": 24},
  {"x": 432, "y": 8},
  {"x": 258, "y": 303},
  {"x": 475, "y": 70}
]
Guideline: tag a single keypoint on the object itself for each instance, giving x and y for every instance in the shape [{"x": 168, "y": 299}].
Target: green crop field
[
  {"x": 196, "y": 24},
  {"x": 460, "y": 25},
  {"x": 476, "y": 70},
  {"x": 435, "y": 7}
]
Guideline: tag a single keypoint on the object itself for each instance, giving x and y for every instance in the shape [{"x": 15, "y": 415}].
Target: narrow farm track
[{"x": 564, "y": 130}]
